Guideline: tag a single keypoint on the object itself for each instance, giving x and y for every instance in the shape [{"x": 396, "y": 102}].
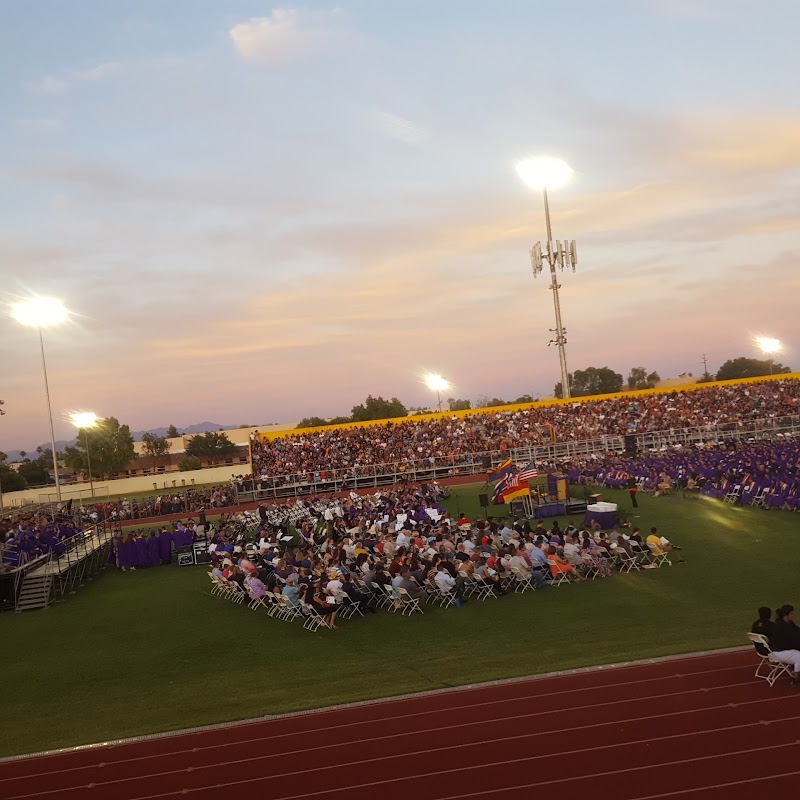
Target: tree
[
  {"x": 110, "y": 448},
  {"x": 458, "y": 405},
  {"x": 212, "y": 446},
  {"x": 22, "y": 455},
  {"x": 525, "y": 398},
  {"x": 378, "y": 408},
  {"x": 3, "y": 457},
  {"x": 11, "y": 480},
  {"x": 190, "y": 463},
  {"x": 592, "y": 380},
  {"x": 36, "y": 472},
  {"x": 313, "y": 422},
  {"x": 172, "y": 432},
  {"x": 749, "y": 368},
  {"x": 2, "y": 403},
  {"x": 639, "y": 378},
  {"x": 155, "y": 446}
]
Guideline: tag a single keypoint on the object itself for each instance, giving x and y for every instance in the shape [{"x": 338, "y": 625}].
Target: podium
[{"x": 557, "y": 487}]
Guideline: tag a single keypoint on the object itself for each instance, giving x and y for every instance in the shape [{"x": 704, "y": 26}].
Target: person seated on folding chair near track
[
  {"x": 785, "y": 641},
  {"x": 763, "y": 626}
]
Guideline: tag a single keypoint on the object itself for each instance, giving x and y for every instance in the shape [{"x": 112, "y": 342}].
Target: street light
[
  {"x": 543, "y": 173},
  {"x": 83, "y": 420},
  {"x": 769, "y": 347},
  {"x": 436, "y": 383},
  {"x": 43, "y": 312}
]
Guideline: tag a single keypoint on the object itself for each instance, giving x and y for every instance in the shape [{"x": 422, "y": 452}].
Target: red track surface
[{"x": 698, "y": 727}]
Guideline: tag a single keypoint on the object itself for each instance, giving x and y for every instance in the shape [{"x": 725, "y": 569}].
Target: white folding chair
[
  {"x": 559, "y": 577},
  {"x": 522, "y": 582},
  {"x": 773, "y": 668},
  {"x": 483, "y": 588},
  {"x": 658, "y": 559},
  {"x": 447, "y": 597},
  {"x": 256, "y": 603},
  {"x": 410, "y": 604},
  {"x": 313, "y": 620},
  {"x": 237, "y": 594},
  {"x": 625, "y": 562},
  {"x": 733, "y": 495}
]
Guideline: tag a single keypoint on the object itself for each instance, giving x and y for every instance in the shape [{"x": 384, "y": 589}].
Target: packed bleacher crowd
[
  {"x": 189, "y": 502},
  {"x": 764, "y": 473},
  {"x": 401, "y": 548},
  {"x": 442, "y": 441}
]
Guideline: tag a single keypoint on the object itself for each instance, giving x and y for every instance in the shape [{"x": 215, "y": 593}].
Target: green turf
[{"x": 151, "y": 650}]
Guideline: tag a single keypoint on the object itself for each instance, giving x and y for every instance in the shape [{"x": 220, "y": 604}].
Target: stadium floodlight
[
  {"x": 543, "y": 173},
  {"x": 43, "y": 312},
  {"x": 83, "y": 420},
  {"x": 436, "y": 383},
  {"x": 769, "y": 347}
]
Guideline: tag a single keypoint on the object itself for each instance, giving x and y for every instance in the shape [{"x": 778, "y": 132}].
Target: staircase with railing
[{"x": 53, "y": 576}]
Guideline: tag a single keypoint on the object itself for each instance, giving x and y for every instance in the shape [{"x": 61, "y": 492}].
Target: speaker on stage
[
  {"x": 486, "y": 462},
  {"x": 483, "y": 499},
  {"x": 631, "y": 446}
]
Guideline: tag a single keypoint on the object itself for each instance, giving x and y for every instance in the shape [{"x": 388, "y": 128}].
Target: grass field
[{"x": 151, "y": 650}]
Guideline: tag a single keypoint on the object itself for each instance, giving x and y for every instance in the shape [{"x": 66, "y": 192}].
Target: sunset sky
[{"x": 257, "y": 213}]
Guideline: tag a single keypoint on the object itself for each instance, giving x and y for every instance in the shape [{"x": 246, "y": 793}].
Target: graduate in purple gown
[
  {"x": 127, "y": 553},
  {"x": 142, "y": 557},
  {"x": 165, "y": 546},
  {"x": 153, "y": 549}
]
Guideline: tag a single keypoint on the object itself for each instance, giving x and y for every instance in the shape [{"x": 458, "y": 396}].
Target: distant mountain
[{"x": 61, "y": 444}]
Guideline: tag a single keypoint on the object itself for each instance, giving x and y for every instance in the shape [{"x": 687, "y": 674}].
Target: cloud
[
  {"x": 59, "y": 84},
  {"x": 286, "y": 35}
]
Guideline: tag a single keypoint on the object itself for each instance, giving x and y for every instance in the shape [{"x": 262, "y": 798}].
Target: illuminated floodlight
[
  {"x": 39, "y": 312},
  {"x": 544, "y": 172},
  {"x": 436, "y": 383},
  {"x": 84, "y": 419},
  {"x": 768, "y": 345}
]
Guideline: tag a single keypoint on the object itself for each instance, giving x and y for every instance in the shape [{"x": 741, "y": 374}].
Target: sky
[{"x": 259, "y": 212}]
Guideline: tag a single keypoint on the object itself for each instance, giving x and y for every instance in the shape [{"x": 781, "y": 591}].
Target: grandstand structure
[{"x": 714, "y": 431}]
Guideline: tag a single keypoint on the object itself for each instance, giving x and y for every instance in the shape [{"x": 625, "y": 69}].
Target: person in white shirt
[
  {"x": 444, "y": 580},
  {"x": 572, "y": 553},
  {"x": 334, "y": 586},
  {"x": 403, "y": 539}
]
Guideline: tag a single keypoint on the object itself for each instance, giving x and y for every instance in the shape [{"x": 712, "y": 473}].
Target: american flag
[{"x": 528, "y": 473}]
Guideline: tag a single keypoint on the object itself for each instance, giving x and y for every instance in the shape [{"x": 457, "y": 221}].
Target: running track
[{"x": 695, "y": 727}]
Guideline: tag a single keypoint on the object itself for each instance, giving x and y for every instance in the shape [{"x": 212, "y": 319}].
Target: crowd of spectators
[
  {"x": 403, "y": 546},
  {"x": 313, "y": 455},
  {"x": 190, "y": 502}
]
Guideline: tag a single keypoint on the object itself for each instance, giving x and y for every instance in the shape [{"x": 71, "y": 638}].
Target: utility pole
[{"x": 705, "y": 367}]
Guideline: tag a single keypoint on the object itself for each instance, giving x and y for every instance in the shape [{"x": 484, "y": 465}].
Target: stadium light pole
[
  {"x": 769, "y": 347},
  {"x": 43, "y": 312},
  {"x": 83, "y": 420},
  {"x": 436, "y": 383},
  {"x": 543, "y": 173}
]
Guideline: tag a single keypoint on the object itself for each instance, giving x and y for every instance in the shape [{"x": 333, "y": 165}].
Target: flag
[
  {"x": 497, "y": 497},
  {"x": 501, "y": 471},
  {"x": 512, "y": 493},
  {"x": 528, "y": 473},
  {"x": 510, "y": 489}
]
